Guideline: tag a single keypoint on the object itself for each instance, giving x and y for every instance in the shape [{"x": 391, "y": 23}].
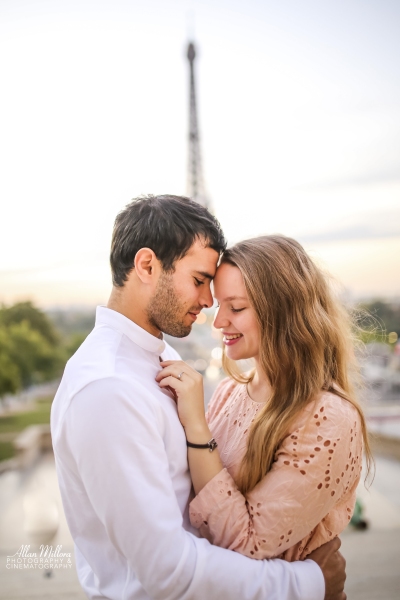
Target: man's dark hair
[{"x": 168, "y": 225}]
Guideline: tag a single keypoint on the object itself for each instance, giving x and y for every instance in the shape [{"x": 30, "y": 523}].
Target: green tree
[
  {"x": 73, "y": 326},
  {"x": 37, "y": 319},
  {"x": 36, "y": 359},
  {"x": 10, "y": 379}
]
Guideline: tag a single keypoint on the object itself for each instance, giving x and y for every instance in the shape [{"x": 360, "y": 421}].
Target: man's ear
[{"x": 147, "y": 265}]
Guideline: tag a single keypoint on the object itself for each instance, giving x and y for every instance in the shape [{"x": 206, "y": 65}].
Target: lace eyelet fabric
[{"x": 308, "y": 496}]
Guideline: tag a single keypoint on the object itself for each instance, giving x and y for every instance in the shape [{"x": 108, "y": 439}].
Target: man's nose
[{"x": 206, "y": 299}]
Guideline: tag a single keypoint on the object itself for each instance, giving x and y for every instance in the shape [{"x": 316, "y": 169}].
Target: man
[{"x": 119, "y": 447}]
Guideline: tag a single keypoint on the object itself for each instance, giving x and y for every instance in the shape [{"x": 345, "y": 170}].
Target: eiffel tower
[{"x": 195, "y": 182}]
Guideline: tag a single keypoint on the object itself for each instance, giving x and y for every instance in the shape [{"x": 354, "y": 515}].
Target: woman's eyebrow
[{"x": 230, "y": 298}]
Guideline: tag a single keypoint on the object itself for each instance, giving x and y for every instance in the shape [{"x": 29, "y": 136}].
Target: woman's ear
[{"x": 147, "y": 265}]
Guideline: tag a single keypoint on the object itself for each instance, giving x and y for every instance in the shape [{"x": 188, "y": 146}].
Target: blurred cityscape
[{"x": 31, "y": 512}]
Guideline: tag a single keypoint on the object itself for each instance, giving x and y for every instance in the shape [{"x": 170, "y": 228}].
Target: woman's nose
[{"x": 220, "y": 319}]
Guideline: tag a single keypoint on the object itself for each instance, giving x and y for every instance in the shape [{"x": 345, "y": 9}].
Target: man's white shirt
[{"x": 122, "y": 467}]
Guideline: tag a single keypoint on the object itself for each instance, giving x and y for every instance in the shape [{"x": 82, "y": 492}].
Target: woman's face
[{"x": 235, "y": 316}]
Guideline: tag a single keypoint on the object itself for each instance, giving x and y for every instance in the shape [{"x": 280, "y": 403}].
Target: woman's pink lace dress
[{"x": 308, "y": 496}]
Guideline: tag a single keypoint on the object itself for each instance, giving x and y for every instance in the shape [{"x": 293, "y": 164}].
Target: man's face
[{"x": 182, "y": 294}]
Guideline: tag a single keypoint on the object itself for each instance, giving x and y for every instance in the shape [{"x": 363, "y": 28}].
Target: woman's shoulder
[
  {"x": 328, "y": 429},
  {"x": 224, "y": 389},
  {"x": 222, "y": 393},
  {"x": 333, "y": 403},
  {"x": 329, "y": 411}
]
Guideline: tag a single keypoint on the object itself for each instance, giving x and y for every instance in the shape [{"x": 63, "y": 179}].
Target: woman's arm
[
  {"x": 316, "y": 466},
  {"x": 204, "y": 465}
]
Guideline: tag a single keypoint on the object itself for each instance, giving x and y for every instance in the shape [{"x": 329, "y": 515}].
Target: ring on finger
[{"x": 180, "y": 375}]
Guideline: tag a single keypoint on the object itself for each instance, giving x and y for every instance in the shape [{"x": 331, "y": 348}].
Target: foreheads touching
[
  {"x": 168, "y": 225},
  {"x": 164, "y": 254}
]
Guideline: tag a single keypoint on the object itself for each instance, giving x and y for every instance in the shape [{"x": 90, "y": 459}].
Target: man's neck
[{"x": 121, "y": 302}]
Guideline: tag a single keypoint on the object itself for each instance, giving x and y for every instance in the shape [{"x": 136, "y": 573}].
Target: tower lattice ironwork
[{"x": 195, "y": 181}]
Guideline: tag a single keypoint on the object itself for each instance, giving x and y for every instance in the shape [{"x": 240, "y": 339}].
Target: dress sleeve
[{"x": 313, "y": 468}]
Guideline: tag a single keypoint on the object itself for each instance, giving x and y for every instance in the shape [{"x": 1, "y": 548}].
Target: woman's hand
[{"x": 188, "y": 387}]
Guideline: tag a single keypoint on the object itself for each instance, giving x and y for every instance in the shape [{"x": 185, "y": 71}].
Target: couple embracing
[{"x": 247, "y": 501}]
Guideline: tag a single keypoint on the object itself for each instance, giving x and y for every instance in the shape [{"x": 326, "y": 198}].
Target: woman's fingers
[
  {"x": 180, "y": 366},
  {"x": 169, "y": 363},
  {"x": 186, "y": 387},
  {"x": 179, "y": 370},
  {"x": 170, "y": 381},
  {"x": 170, "y": 371}
]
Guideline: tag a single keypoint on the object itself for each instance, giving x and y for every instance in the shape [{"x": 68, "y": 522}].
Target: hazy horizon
[{"x": 299, "y": 111}]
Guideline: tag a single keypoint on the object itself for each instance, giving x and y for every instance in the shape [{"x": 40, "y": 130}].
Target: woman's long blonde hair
[{"x": 306, "y": 343}]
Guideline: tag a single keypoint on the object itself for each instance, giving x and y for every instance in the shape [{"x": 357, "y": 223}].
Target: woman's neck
[{"x": 259, "y": 388}]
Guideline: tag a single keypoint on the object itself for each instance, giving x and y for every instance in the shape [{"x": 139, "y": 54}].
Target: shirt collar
[{"x": 138, "y": 335}]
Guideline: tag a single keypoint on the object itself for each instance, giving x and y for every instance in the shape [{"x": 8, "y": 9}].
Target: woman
[{"x": 283, "y": 479}]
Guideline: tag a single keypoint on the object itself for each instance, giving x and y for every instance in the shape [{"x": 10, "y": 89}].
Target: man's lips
[{"x": 194, "y": 315}]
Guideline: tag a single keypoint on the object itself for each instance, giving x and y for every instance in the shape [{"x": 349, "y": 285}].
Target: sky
[{"x": 299, "y": 112}]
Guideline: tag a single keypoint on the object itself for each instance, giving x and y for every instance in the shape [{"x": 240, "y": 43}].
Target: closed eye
[
  {"x": 235, "y": 310},
  {"x": 198, "y": 282}
]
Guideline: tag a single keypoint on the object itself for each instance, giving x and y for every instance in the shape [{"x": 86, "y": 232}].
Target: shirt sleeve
[
  {"x": 314, "y": 467},
  {"x": 120, "y": 456}
]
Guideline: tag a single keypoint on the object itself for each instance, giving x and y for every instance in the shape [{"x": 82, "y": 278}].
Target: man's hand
[{"x": 333, "y": 567}]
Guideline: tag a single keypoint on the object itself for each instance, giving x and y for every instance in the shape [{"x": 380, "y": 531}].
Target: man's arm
[
  {"x": 121, "y": 459},
  {"x": 333, "y": 567}
]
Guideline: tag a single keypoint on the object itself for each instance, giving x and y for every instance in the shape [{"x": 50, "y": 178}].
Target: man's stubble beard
[{"x": 165, "y": 311}]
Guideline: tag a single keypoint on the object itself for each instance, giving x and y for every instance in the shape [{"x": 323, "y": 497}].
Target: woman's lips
[{"x": 229, "y": 340}]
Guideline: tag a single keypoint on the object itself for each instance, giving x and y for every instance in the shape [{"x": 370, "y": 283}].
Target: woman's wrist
[{"x": 198, "y": 434}]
